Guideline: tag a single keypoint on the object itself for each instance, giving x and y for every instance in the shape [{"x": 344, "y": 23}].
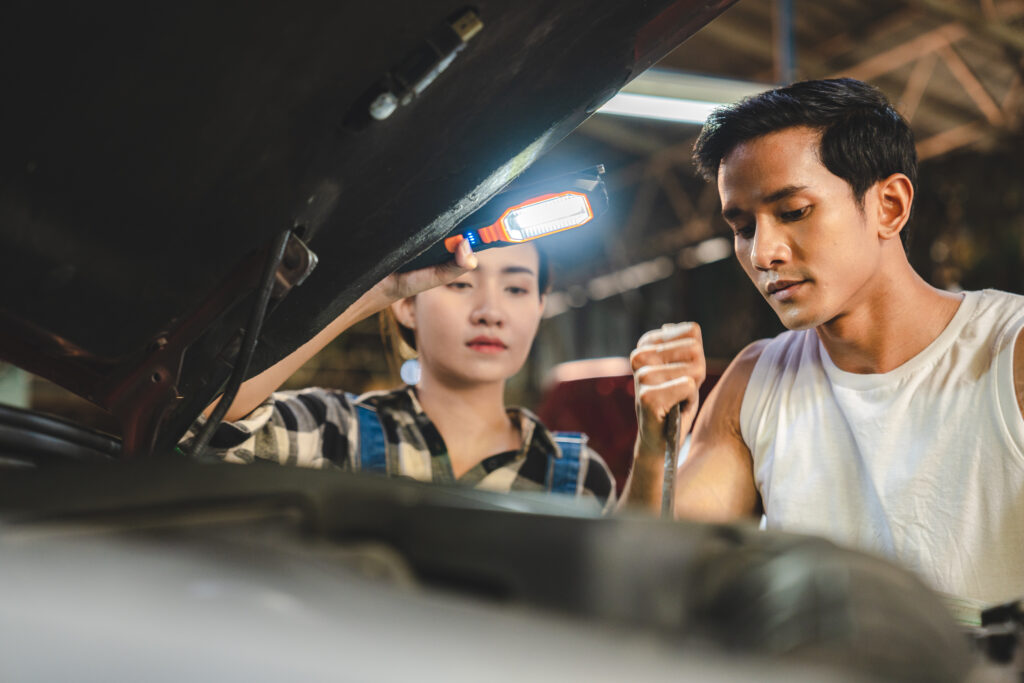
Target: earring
[{"x": 410, "y": 372}]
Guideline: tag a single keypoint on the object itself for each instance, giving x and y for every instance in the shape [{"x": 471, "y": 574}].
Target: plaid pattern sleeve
[
  {"x": 319, "y": 428},
  {"x": 308, "y": 428}
]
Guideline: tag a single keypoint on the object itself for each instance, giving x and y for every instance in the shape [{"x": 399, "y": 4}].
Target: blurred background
[{"x": 954, "y": 69}]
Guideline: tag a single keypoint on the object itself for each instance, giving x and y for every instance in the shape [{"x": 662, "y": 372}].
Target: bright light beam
[{"x": 661, "y": 108}]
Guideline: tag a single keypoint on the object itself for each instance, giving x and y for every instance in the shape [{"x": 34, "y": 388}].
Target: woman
[{"x": 473, "y": 323}]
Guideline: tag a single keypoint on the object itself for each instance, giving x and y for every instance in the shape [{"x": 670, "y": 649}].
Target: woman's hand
[
  {"x": 402, "y": 285},
  {"x": 392, "y": 288}
]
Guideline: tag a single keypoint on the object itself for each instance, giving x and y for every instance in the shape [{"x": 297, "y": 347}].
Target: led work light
[{"x": 524, "y": 214}]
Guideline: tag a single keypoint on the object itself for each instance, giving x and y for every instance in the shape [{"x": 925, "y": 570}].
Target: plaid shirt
[{"x": 319, "y": 428}]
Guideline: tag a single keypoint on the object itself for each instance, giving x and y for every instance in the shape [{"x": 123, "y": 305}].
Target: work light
[{"x": 525, "y": 214}]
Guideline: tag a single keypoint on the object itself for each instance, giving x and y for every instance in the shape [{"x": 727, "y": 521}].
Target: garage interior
[
  {"x": 953, "y": 67},
  {"x": 662, "y": 253}
]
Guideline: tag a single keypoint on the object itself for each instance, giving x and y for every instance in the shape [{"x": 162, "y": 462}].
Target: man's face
[{"x": 800, "y": 235}]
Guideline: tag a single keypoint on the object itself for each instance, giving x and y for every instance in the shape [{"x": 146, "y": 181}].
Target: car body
[{"x": 157, "y": 157}]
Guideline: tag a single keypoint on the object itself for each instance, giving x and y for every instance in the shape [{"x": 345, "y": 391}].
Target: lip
[
  {"x": 784, "y": 289},
  {"x": 485, "y": 344}
]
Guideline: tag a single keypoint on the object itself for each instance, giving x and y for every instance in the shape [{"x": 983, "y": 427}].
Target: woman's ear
[
  {"x": 895, "y": 197},
  {"x": 403, "y": 312}
]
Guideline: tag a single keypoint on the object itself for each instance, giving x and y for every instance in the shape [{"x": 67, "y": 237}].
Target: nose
[
  {"x": 769, "y": 248},
  {"x": 487, "y": 308}
]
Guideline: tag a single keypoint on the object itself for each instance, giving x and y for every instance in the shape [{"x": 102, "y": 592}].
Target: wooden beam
[
  {"x": 626, "y": 176},
  {"x": 1009, "y": 9},
  {"x": 738, "y": 37},
  {"x": 908, "y": 52},
  {"x": 680, "y": 200},
  {"x": 878, "y": 29},
  {"x": 1009, "y": 99},
  {"x": 1010, "y": 104},
  {"x": 680, "y": 153},
  {"x": 972, "y": 86},
  {"x": 954, "y": 138},
  {"x": 677, "y": 154},
  {"x": 621, "y": 135},
  {"x": 998, "y": 30},
  {"x": 642, "y": 208},
  {"x": 917, "y": 83}
]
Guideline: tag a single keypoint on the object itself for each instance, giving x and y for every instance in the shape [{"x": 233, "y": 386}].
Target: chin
[
  {"x": 795, "y": 319},
  {"x": 484, "y": 375}
]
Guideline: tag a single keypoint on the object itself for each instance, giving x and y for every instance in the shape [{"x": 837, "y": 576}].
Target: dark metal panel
[
  {"x": 716, "y": 588},
  {"x": 152, "y": 149}
]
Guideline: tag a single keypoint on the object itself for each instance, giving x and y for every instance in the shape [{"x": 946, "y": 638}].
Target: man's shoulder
[
  {"x": 996, "y": 320},
  {"x": 1004, "y": 314},
  {"x": 999, "y": 296},
  {"x": 721, "y": 416},
  {"x": 770, "y": 349},
  {"x": 997, "y": 304},
  {"x": 748, "y": 357}
]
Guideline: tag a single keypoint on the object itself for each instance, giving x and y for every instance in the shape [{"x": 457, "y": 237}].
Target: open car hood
[{"x": 152, "y": 151}]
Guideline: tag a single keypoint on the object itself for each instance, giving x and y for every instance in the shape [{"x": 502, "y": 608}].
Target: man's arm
[
  {"x": 716, "y": 481},
  {"x": 668, "y": 369},
  {"x": 396, "y": 286},
  {"x": 1018, "y": 370}
]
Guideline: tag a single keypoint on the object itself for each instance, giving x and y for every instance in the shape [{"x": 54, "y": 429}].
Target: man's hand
[{"x": 668, "y": 369}]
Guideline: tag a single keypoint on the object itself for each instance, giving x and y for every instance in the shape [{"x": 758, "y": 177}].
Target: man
[{"x": 891, "y": 415}]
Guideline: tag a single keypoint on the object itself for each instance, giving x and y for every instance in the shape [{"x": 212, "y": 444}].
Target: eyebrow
[
  {"x": 512, "y": 270},
  {"x": 770, "y": 199}
]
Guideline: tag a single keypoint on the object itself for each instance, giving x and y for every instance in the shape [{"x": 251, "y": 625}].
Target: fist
[{"x": 668, "y": 369}]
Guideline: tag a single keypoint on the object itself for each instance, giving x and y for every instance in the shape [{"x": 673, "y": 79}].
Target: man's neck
[
  {"x": 895, "y": 318},
  {"x": 471, "y": 420}
]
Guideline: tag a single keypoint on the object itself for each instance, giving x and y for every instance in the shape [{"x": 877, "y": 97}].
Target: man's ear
[
  {"x": 895, "y": 197},
  {"x": 403, "y": 312}
]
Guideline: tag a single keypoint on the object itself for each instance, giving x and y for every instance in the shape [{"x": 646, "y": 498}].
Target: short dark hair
[{"x": 863, "y": 138}]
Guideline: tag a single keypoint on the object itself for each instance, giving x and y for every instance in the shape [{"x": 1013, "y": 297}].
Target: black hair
[
  {"x": 863, "y": 138},
  {"x": 543, "y": 270}
]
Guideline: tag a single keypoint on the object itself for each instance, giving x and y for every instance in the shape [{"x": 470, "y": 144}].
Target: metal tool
[{"x": 668, "y": 483}]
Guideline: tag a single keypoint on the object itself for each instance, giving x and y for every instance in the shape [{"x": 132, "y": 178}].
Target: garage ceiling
[{"x": 952, "y": 66}]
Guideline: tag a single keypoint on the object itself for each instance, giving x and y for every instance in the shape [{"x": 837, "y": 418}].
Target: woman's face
[{"x": 479, "y": 328}]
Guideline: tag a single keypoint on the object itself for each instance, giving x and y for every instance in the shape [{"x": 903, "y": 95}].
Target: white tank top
[{"x": 923, "y": 464}]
